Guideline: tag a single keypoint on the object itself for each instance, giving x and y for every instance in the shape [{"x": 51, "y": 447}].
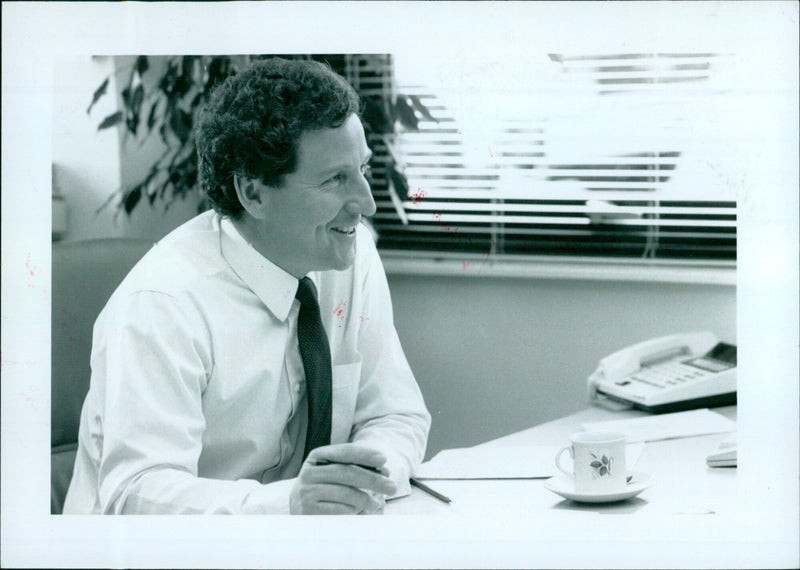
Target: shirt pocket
[{"x": 345, "y": 382}]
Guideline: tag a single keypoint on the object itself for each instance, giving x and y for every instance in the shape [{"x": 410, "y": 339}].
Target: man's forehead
[{"x": 325, "y": 148}]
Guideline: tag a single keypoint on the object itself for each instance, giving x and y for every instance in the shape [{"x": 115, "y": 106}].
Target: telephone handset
[{"x": 668, "y": 374}]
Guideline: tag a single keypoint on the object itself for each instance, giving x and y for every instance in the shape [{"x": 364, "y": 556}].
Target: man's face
[{"x": 309, "y": 223}]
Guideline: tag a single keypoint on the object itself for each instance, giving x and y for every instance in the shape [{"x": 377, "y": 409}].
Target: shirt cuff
[
  {"x": 398, "y": 472},
  {"x": 396, "y": 464},
  {"x": 269, "y": 499}
]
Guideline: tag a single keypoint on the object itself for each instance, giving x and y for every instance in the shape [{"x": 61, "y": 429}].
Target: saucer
[{"x": 566, "y": 488}]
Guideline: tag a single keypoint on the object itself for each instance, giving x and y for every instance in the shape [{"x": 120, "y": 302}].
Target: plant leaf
[
  {"x": 181, "y": 123},
  {"x": 165, "y": 84},
  {"x": 406, "y": 114},
  {"x": 134, "y": 107},
  {"x": 99, "y": 92},
  {"x": 162, "y": 130},
  {"x": 108, "y": 200},
  {"x": 110, "y": 121},
  {"x": 131, "y": 199},
  {"x": 181, "y": 86},
  {"x": 399, "y": 181},
  {"x": 596, "y": 464},
  {"x": 141, "y": 65},
  {"x": 138, "y": 97},
  {"x": 151, "y": 117},
  {"x": 187, "y": 66},
  {"x": 376, "y": 116},
  {"x": 198, "y": 98},
  {"x": 423, "y": 110},
  {"x": 217, "y": 70}
]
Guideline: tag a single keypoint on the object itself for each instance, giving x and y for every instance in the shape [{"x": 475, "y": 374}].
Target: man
[{"x": 198, "y": 397}]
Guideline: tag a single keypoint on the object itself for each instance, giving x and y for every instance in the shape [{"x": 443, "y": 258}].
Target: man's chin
[
  {"x": 343, "y": 264},
  {"x": 344, "y": 260},
  {"x": 335, "y": 259}
]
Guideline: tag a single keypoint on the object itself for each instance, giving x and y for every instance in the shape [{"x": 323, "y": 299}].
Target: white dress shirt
[{"x": 197, "y": 399}]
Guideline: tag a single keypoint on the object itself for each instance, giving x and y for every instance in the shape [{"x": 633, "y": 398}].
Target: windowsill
[{"x": 408, "y": 263}]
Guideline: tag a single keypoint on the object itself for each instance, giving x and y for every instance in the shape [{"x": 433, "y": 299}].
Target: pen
[
  {"x": 414, "y": 482},
  {"x": 329, "y": 462},
  {"x": 431, "y": 492}
]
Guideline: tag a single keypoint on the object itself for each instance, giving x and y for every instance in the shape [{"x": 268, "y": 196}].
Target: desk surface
[{"x": 684, "y": 484}]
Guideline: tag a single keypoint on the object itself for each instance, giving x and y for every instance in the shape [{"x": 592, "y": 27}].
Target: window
[{"x": 599, "y": 156}]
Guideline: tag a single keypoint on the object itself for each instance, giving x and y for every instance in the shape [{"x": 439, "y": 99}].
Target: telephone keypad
[{"x": 668, "y": 375}]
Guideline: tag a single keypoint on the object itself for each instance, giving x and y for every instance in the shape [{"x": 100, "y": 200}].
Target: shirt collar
[{"x": 272, "y": 285}]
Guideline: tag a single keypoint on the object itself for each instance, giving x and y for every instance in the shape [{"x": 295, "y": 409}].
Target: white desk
[{"x": 684, "y": 484}]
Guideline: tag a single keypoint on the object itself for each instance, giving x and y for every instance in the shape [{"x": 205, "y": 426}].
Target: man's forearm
[
  {"x": 172, "y": 491},
  {"x": 401, "y": 437}
]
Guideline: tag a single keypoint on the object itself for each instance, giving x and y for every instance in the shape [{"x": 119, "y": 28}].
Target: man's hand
[{"x": 341, "y": 479}]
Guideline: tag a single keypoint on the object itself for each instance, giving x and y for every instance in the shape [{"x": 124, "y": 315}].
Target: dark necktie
[{"x": 316, "y": 355}]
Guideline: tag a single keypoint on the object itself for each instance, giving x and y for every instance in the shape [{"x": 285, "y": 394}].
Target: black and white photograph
[{"x": 401, "y": 285}]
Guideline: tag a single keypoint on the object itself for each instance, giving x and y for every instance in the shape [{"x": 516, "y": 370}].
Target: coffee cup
[{"x": 598, "y": 461}]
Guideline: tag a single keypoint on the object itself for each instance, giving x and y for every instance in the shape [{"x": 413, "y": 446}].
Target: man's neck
[{"x": 254, "y": 235}]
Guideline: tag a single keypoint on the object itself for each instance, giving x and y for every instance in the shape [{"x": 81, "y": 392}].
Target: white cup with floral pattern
[{"x": 598, "y": 461}]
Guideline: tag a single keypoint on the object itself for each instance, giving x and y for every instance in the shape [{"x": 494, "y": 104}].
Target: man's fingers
[
  {"x": 349, "y": 475},
  {"x": 350, "y": 465},
  {"x": 337, "y": 499},
  {"x": 332, "y": 509},
  {"x": 348, "y": 453},
  {"x": 376, "y": 504}
]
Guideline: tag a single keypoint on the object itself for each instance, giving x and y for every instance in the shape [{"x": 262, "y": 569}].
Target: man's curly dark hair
[{"x": 253, "y": 121}]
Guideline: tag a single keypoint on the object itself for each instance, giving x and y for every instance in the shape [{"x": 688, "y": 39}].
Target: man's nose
[{"x": 361, "y": 201}]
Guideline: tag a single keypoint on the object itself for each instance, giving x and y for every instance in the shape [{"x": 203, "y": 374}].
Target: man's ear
[{"x": 250, "y": 194}]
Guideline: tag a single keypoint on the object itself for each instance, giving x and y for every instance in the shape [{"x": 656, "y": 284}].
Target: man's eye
[{"x": 333, "y": 180}]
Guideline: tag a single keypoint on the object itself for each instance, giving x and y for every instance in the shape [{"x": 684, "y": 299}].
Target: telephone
[
  {"x": 725, "y": 455},
  {"x": 668, "y": 374}
]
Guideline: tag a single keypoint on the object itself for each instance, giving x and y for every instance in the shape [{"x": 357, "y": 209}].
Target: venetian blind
[{"x": 604, "y": 155}]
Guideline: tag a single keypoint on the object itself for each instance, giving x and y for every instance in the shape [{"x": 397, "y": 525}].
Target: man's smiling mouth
[{"x": 345, "y": 230}]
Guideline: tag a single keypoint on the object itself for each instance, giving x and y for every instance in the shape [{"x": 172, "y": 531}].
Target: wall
[
  {"x": 90, "y": 165},
  {"x": 86, "y": 161},
  {"x": 496, "y": 355}
]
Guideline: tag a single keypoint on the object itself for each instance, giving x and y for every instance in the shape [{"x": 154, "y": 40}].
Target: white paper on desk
[
  {"x": 667, "y": 426},
  {"x": 513, "y": 462}
]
